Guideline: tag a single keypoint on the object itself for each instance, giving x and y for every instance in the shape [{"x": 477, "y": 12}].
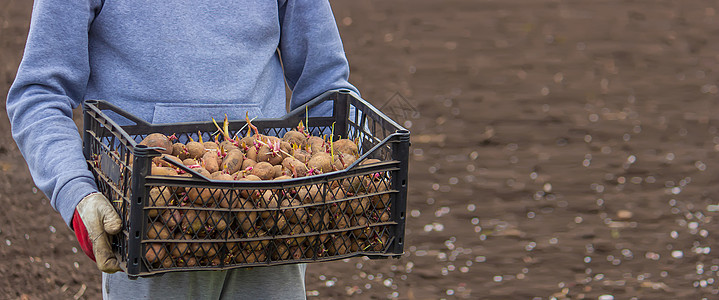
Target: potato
[
  {"x": 209, "y": 161},
  {"x": 274, "y": 222},
  {"x": 353, "y": 185},
  {"x": 180, "y": 150},
  {"x": 220, "y": 175},
  {"x": 301, "y": 155},
  {"x": 318, "y": 240},
  {"x": 251, "y": 152},
  {"x": 284, "y": 177},
  {"x": 171, "y": 217},
  {"x": 229, "y": 202},
  {"x": 317, "y": 144},
  {"x": 190, "y": 162},
  {"x": 286, "y": 149},
  {"x": 158, "y": 231},
  {"x": 203, "y": 196},
  {"x": 216, "y": 261},
  {"x": 182, "y": 188},
  {"x": 302, "y": 251},
  {"x": 233, "y": 246},
  {"x": 365, "y": 231},
  {"x": 193, "y": 221},
  {"x": 254, "y": 195},
  {"x": 345, "y": 146},
  {"x": 378, "y": 243},
  {"x": 384, "y": 216},
  {"x": 153, "y": 213},
  {"x": 380, "y": 186},
  {"x": 294, "y": 137},
  {"x": 257, "y": 245},
  {"x": 294, "y": 215},
  {"x": 209, "y": 145},
  {"x": 155, "y": 253},
  {"x": 264, "y": 154},
  {"x": 337, "y": 163},
  {"x": 338, "y": 245},
  {"x": 310, "y": 194},
  {"x": 263, "y": 170},
  {"x": 228, "y": 146},
  {"x": 186, "y": 261},
  {"x": 195, "y": 149},
  {"x": 321, "y": 162},
  {"x": 339, "y": 221},
  {"x": 346, "y": 160},
  {"x": 158, "y": 140},
  {"x": 163, "y": 171},
  {"x": 207, "y": 250},
  {"x": 296, "y": 166},
  {"x": 254, "y": 256},
  {"x": 333, "y": 198},
  {"x": 319, "y": 220},
  {"x": 246, "y": 142},
  {"x": 216, "y": 221},
  {"x": 268, "y": 200},
  {"x": 296, "y": 230},
  {"x": 202, "y": 171},
  {"x": 252, "y": 178},
  {"x": 287, "y": 192},
  {"x": 159, "y": 198},
  {"x": 281, "y": 252},
  {"x": 359, "y": 245},
  {"x": 277, "y": 171},
  {"x": 246, "y": 219},
  {"x": 358, "y": 206},
  {"x": 178, "y": 250},
  {"x": 233, "y": 161}
]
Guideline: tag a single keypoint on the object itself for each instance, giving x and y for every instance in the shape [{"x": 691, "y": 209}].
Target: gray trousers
[{"x": 277, "y": 282}]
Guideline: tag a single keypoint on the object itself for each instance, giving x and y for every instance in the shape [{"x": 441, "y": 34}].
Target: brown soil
[{"x": 563, "y": 149}]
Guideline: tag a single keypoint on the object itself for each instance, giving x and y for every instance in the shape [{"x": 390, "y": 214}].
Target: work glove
[{"x": 94, "y": 220}]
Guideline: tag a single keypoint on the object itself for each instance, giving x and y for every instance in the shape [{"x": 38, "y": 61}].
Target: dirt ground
[{"x": 560, "y": 150}]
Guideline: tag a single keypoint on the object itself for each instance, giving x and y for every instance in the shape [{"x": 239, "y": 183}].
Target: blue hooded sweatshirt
[{"x": 166, "y": 61}]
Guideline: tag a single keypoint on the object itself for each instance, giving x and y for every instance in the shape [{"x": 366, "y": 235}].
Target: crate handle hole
[
  {"x": 139, "y": 200},
  {"x": 135, "y": 261},
  {"x": 400, "y": 241},
  {"x": 404, "y": 182},
  {"x": 137, "y": 234},
  {"x": 401, "y": 215}
]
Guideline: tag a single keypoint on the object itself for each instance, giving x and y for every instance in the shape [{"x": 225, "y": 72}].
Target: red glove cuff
[{"x": 82, "y": 236}]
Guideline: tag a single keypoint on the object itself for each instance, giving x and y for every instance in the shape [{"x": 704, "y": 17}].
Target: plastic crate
[{"x": 193, "y": 223}]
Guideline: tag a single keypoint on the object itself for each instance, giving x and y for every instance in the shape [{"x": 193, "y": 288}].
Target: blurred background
[{"x": 560, "y": 150}]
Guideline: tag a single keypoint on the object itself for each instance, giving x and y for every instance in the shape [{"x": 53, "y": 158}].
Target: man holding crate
[{"x": 165, "y": 62}]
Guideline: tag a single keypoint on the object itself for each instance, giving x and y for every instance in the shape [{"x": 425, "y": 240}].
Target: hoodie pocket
[{"x": 195, "y": 112}]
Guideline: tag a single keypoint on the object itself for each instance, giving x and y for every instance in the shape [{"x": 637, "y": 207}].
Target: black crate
[{"x": 194, "y": 223}]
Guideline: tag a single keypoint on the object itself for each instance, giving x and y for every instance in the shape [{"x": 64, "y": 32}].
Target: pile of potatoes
[{"x": 201, "y": 226}]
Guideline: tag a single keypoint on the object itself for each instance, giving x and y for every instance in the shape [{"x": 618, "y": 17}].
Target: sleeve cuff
[{"x": 71, "y": 194}]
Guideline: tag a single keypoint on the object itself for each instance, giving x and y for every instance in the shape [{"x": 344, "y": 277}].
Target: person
[{"x": 165, "y": 62}]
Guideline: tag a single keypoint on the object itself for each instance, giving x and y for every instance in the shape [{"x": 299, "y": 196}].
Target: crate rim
[{"x": 95, "y": 104}]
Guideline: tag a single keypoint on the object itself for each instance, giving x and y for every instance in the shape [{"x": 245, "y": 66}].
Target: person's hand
[{"x": 99, "y": 218}]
